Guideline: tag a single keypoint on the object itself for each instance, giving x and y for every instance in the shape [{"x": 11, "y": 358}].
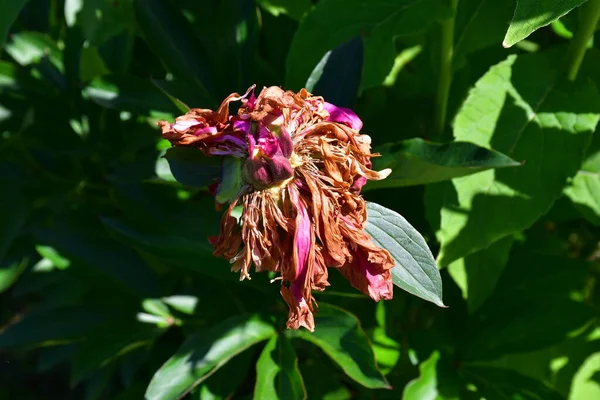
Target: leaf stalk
[{"x": 589, "y": 16}]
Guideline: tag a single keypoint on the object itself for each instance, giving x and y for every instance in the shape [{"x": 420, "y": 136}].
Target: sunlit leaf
[{"x": 415, "y": 270}]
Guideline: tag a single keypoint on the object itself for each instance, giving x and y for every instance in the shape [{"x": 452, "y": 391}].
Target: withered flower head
[{"x": 302, "y": 163}]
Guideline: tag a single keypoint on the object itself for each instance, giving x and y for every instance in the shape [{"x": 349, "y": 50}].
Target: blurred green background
[{"x": 109, "y": 290}]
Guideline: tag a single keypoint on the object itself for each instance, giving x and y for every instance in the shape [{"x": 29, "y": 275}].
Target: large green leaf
[
  {"x": 192, "y": 167},
  {"x": 320, "y": 32},
  {"x": 10, "y": 12},
  {"x": 226, "y": 381},
  {"x": 203, "y": 353},
  {"x": 415, "y": 270},
  {"x": 337, "y": 76},
  {"x": 339, "y": 334},
  {"x": 425, "y": 386},
  {"x": 520, "y": 109},
  {"x": 418, "y": 162},
  {"x": 277, "y": 373},
  {"x": 496, "y": 383},
  {"x": 171, "y": 38},
  {"x": 478, "y": 273},
  {"x": 530, "y": 15}
]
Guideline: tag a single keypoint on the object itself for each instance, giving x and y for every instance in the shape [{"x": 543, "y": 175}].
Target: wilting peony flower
[{"x": 302, "y": 163}]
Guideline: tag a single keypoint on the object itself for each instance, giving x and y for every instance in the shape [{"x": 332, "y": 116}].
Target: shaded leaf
[
  {"x": 337, "y": 76},
  {"x": 193, "y": 168},
  {"x": 203, "y": 353},
  {"x": 277, "y": 373},
  {"x": 520, "y": 109},
  {"x": 415, "y": 270},
  {"x": 418, "y": 162},
  {"x": 530, "y": 15},
  {"x": 10, "y": 272},
  {"x": 226, "y": 381},
  {"x": 14, "y": 211},
  {"x": 478, "y": 273},
  {"x": 129, "y": 93},
  {"x": 380, "y": 21},
  {"x": 339, "y": 334}
]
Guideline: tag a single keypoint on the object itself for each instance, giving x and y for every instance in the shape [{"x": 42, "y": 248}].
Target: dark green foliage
[{"x": 108, "y": 286}]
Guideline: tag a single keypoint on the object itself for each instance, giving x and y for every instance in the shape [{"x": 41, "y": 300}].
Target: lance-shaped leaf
[
  {"x": 530, "y": 15},
  {"x": 415, "y": 270},
  {"x": 277, "y": 373},
  {"x": 417, "y": 162},
  {"x": 203, "y": 353},
  {"x": 339, "y": 334},
  {"x": 519, "y": 108},
  {"x": 192, "y": 167},
  {"x": 337, "y": 76}
]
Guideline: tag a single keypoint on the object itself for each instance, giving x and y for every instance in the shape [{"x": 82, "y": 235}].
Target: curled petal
[{"x": 344, "y": 116}]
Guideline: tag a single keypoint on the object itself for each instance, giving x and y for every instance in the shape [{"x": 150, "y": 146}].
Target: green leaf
[
  {"x": 11, "y": 272},
  {"x": 295, "y": 9},
  {"x": 231, "y": 180},
  {"x": 496, "y": 383},
  {"x": 425, "y": 386},
  {"x": 478, "y": 273},
  {"x": 585, "y": 384},
  {"x": 10, "y": 12},
  {"x": 418, "y": 162},
  {"x": 171, "y": 38},
  {"x": 520, "y": 109},
  {"x": 339, "y": 334},
  {"x": 203, "y": 353},
  {"x": 277, "y": 373},
  {"x": 108, "y": 343},
  {"x": 193, "y": 168},
  {"x": 530, "y": 15},
  {"x": 226, "y": 381},
  {"x": 415, "y": 270},
  {"x": 129, "y": 93},
  {"x": 380, "y": 21},
  {"x": 182, "y": 303},
  {"x": 337, "y": 76}
]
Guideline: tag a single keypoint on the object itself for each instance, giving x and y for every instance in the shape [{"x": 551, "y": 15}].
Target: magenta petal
[
  {"x": 209, "y": 130},
  {"x": 344, "y": 116},
  {"x": 302, "y": 245},
  {"x": 243, "y": 125},
  {"x": 377, "y": 286}
]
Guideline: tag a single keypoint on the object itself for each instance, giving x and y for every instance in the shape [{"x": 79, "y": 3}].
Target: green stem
[
  {"x": 590, "y": 14},
  {"x": 445, "y": 71}
]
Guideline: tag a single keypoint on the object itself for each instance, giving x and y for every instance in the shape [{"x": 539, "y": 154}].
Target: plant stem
[
  {"x": 445, "y": 71},
  {"x": 590, "y": 14}
]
